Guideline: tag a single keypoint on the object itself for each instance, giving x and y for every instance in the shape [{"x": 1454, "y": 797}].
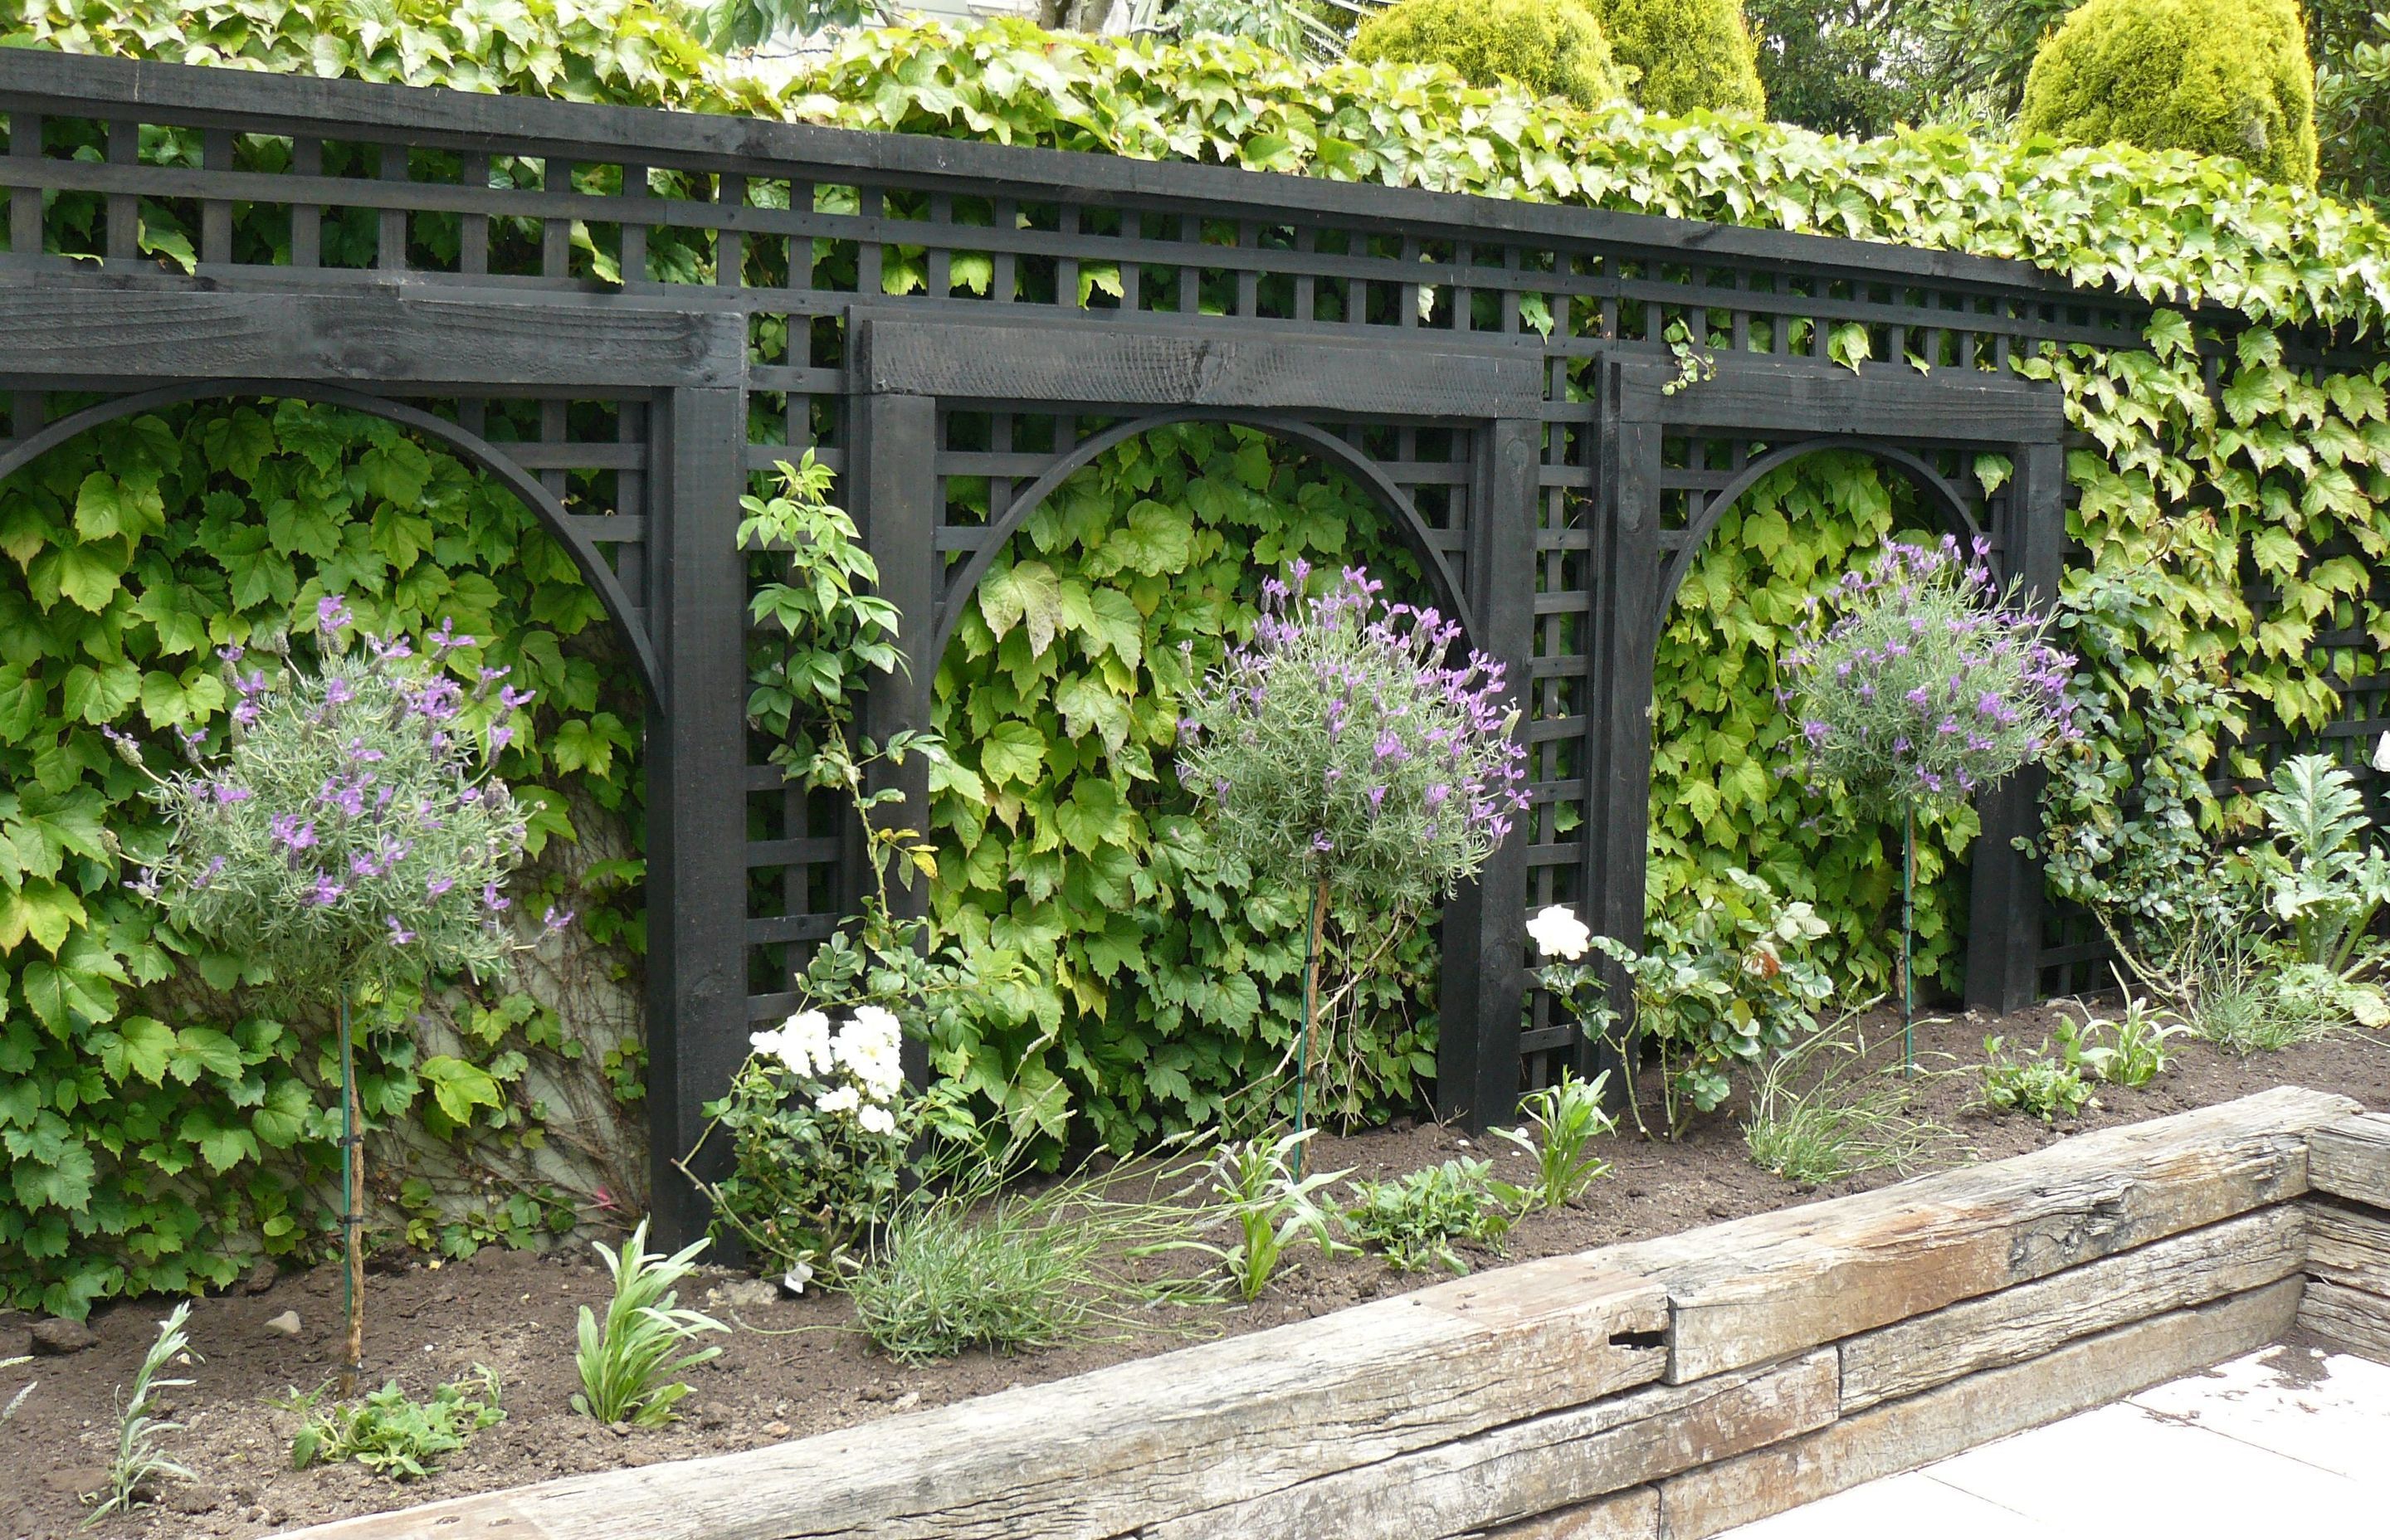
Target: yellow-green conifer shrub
[
  {"x": 2222, "y": 77},
  {"x": 1688, "y": 55},
  {"x": 1555, "y": 47}
]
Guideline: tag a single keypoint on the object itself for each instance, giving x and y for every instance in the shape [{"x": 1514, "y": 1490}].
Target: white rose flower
[
  {"x": 877, "y": 1119},
  {"x": 844, "y": 1098},
  {"x": 879, "y": 1024},
  {"x": 2381, "y": 755},
  {"x": 1557, "y": 932},
  {"x": 766, "y": 1043},
  {"x": 805, "y": 1042}
]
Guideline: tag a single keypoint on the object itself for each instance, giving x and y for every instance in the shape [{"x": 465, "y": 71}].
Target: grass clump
[
  {"x": 392, "y": 1435},
  {"x": 627, "y": 1361},
  {"x": 1414, "y": 1220},
  {"x": 138, "y": 1466},
  {"x": 2247, "y": 1008},
  {"x": 1825, "y": 1110},
  {"x": 971, "y": 1265}
]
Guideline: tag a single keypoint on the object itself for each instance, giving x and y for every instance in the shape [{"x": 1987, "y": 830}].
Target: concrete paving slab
[{"x": 2289, "y": 1439}]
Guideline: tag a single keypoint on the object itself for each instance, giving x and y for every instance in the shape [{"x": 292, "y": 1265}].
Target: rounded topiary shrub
[
  {"x": 1687, "y": 54},
  {"x": 2222, "y": 77},
  {"x": 1554, "y": 48}
]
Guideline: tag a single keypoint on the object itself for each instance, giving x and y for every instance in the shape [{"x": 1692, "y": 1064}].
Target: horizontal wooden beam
[
  {"x": 2349, "y": 1320},
  {"x": 145, "y": 91},
  {"x": 1753, "y": 395},
  {"x": 1753, "y": 1289},
  {"x": 390, "y": 338},
  {"x": 2031, "y": 1319},
  {"x": 1112, "y": 1452},
  {"x": 2351, "y": 1247},
  {"x": 2351, "y": 1160},
  {"x": 1539, "y": 1464},
  {"x": 1064, "y": 363}
]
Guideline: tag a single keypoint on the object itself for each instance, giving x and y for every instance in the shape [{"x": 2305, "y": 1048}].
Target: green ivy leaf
[
  {"x": 282, "y": 1117},
  {"x": 106, "y": 508},
  {"x": 1026, "y": 593},
  {"x": 222, "y": 1146},
  {"x": 458, "y": 1087},
  {"x": 1012, "y": 753},
  {"x": 1093, "y": 816},
  {"x": 138, "y": 1049},
  {"x": 86, "y": 576},
  {"x": 1155, "y": 540},
  {"x": 45, "y": 911},
  {"x": 200, "y": 1050}
]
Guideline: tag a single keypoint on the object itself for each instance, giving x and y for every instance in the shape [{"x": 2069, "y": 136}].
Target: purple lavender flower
[{"x": 333, "y": 614}]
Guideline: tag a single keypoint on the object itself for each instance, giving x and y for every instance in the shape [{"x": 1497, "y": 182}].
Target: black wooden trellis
[{"x": 688, "y": 298}]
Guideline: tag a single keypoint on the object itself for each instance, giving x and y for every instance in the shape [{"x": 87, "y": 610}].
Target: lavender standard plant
[
  {"x": 1346, "y": 754},
  {"x": 349, "y": 833},
  {"x": 1918, "y": 684}
]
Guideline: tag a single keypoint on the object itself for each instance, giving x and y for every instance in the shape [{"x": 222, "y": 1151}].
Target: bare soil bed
[{"x": 794, "y": 1366}]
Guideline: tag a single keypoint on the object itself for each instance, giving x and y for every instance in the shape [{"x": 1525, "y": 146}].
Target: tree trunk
[{"x": 1072, "y": 16}]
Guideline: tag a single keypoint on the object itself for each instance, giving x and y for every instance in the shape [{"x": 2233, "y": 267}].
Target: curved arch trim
[
  {"x": 478, "y": 451},
  {"x": 1381, "y": 487}
]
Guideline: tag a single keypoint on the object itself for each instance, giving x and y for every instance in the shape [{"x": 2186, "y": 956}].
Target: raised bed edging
[{"x": 1663, "y": 1389}]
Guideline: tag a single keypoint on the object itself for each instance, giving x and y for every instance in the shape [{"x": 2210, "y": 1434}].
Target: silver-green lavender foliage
[
  {"x": 1918, "y": 685},
  {"x": 351, "y": 829},
  {"x": 1345, "y": 745}
]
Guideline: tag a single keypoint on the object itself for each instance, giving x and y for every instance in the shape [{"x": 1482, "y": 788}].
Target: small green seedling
[
  {"x": 1272, "y": 1207},
  {"x": 2041, "y": 1085},
  {"x": 138, "y": 1466},
  {"x": 1556, "y": 1124}
]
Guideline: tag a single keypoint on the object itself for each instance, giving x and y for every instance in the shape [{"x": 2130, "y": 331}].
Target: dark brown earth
[{"x": 793, "y": 1367}]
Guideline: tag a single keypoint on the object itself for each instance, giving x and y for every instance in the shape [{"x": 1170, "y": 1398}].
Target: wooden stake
[{"x": 352, "y": 1197}]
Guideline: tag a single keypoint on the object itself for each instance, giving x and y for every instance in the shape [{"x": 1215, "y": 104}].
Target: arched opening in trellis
[
  {"x": 1095, "y": 570},
  {"x": 153, "y": 528},
  {"x": 1757, "y": 529}
]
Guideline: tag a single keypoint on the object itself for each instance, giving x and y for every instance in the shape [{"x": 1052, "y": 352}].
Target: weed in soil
[
  {"x": 392, "y": 1435},
  {"x": 626, "y": 1364},
  {"x": 140, "y": 1465},
  {"x": 1414, "y": 1220}
]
